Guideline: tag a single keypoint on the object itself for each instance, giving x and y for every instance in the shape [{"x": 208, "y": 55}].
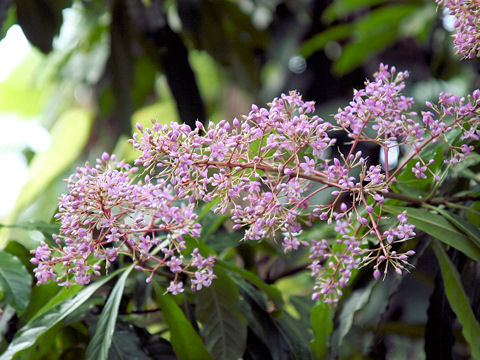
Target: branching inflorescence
[
  {"x": 265, "y": 170},
  {"x": 105, "y": 214},
  {"x": 467, "y": 25}
]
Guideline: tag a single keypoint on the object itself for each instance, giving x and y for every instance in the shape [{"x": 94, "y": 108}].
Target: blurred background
[{"x": 75, "y": 75}]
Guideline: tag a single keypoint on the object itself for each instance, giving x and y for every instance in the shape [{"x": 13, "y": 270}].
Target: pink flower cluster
[
  {"x": 253, "y": 167},
  {"x": 106, "y": 214},
  {"x": 265, "y": 169},
  {"x": 467, "y": 25}
]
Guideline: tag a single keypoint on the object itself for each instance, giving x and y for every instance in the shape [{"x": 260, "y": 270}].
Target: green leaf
[
  {"x": 355, "y": 302},
  {"x": 207, "y": 207},
  {"x": 372, "y": 33},
  {"x": 186, "y": 343},
  {"x": 318, "y": 42},
  {"x": 15, "y": 282},
  {"x": 420, "y": 186},
  {"x": 224, "y": 328},
  {"x": 28, "y": 334},
  {"x": 45, "y": 228},
  {"x": 246, "y": 288},
  {"x": 339, "y": 9},
  {"x": 439, "y": 228},
  {"x": 207, "y": 74},
  {"x": 322, "y": 325},
  {"x": 458, "y": 300},
  {"x": 420, "y": 23},
  {"x": 41, "y": 295},
  {"x": 59, "y": 297},
  {"x": 210, "y": 224},
  {"x": 100, "y": 343},
  {"x": 473, "y": 212},
  {"x": 463, "y": 225},
  {"x": 272, "y": 292},
  {"x": 15, "y": 248}
]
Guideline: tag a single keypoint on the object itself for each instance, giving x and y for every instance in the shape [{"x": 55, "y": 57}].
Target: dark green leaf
[
  {"x": 28, "y": 334},
  {"x": 304, "y": 306},
  {"x": 439, "y": 228},
  {"x": 224, "y": 327},
  {"x": 185, "y": 341},
  {"x": 41, "y": 20},
  {"x": 133, "y": 343},
  {"x": 121, "y": 64},
  {"x": 298, "y": 336},
  {"x": 21, "y": 252},
  {"x": 100, "y": 343},
  {"x": 207, "y": 207},
  {"x": 262, "y": 325},
  {"x": 84, "y": 310},
  {"x": 246, "y": 288},
  {"x": 458, "y": 300},
  {"x": 272, "y": 292},
  {"x": 340, "y": 9},
  {"x": 15, "y": 282}
]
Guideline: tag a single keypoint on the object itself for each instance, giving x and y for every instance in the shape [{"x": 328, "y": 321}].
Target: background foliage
[{"x": 100, "y": 66}]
